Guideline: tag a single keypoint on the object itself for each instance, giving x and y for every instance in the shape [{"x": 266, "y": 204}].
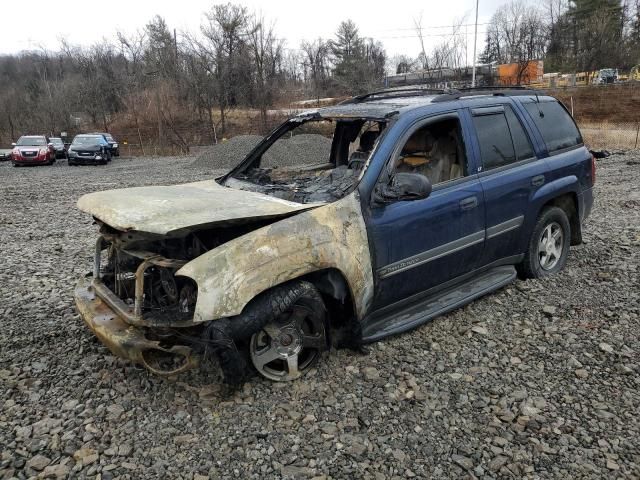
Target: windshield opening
[
  {"x": 32, "y": 141},
  {"x": 315, "y": 160}
]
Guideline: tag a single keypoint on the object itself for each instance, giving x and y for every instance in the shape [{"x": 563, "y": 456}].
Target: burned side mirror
[{"x": 404, "y": 186}]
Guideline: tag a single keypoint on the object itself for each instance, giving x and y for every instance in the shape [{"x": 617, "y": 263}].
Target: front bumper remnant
[{"x": 125, "y": 340}]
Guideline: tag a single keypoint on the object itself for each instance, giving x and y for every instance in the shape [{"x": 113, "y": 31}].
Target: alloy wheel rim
[
  {"x": 288, "y": 347},
  {"x": 550, "y": 246}
]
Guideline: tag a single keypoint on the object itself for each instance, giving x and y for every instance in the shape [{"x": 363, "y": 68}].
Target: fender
[
  {"x": 555, "y": 188},
  {"x": 331, "y": 236},
  {"x": 544, "y": 194}
]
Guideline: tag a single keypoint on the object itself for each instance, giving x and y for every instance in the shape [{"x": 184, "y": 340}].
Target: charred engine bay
[
  {"x": 315, "y": 184},
  {"x": 165, "y": 295}
]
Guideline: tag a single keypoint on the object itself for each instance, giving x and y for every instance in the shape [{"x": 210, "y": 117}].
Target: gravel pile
[
  {"x": 228, "y": 153},
  {"x": 538, "y": 380},
  {"x": 296, "y": 150}
]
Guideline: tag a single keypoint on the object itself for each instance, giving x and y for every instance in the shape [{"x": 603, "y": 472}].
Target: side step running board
[{"x": 417, "y": 313}]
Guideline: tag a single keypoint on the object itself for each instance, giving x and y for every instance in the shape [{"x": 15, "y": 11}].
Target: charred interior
[{"x": 302, "y": 180}]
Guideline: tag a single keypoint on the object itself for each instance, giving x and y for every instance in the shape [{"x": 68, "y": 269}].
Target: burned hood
[{"x": 164, "y": 209}]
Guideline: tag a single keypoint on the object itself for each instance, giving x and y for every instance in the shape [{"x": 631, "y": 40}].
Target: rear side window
[{"x": 556, "y": 126}]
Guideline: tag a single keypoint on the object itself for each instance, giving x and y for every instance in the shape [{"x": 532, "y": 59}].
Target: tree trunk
[{"x": 212, "y": 124}]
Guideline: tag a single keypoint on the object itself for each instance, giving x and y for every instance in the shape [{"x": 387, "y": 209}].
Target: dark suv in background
[
  {"x": 113, "y": 144},
  {"x": 58, "y": 147},
  {"x": 88, "y": 149}
]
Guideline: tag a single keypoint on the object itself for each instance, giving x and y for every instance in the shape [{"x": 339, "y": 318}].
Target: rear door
[
  {"x": 567, "y": 154},
  {"x": 509, "y": 174}
]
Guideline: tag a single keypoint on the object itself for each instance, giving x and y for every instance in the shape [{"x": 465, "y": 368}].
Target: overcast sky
[{"x": 33, "y": 24}]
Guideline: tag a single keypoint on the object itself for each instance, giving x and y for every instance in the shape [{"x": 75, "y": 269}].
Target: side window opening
[
  {"x": 436, "y": 151},
  {"x": 366, "y": 140}
]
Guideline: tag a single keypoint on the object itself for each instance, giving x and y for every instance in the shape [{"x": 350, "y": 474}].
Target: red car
[{"x": 33, "y": 150}]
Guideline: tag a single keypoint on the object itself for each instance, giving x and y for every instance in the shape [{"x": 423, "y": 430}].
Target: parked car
[
  {"x": 5, "y": 154},
  {"x": 427, "y": 200},
  {"x": 32, "y": 150},
  {"x": 113, "y": 144},
  {"x": 88, "y": 149},
  {"x": 59, "y": 147}
]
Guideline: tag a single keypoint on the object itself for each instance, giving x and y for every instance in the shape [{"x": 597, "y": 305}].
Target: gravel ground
[
  {"x": 307, "y": 148},
  {"x": 537, "y": 380}
]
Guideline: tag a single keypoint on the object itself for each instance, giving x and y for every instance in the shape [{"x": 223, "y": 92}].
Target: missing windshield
[{"x": 314, "y": 160}]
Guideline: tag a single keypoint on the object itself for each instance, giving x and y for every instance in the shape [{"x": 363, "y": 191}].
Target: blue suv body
[{"x": 420, "y": 202}]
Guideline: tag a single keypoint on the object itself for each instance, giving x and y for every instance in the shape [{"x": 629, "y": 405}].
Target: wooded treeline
[
  {"x": 569, "y": 35},
  {"x": 171, "y": 79},
  {"x": 162, "y": 83}
]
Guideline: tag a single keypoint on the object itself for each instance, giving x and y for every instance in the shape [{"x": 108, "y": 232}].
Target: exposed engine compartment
[{"x": 140, "y": 268}]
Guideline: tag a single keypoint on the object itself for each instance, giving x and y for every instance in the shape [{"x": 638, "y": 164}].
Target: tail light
[{"x": 593, "y": 170}]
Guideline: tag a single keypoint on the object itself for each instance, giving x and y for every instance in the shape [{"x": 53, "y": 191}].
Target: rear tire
[{"x": 548, "y": 246}]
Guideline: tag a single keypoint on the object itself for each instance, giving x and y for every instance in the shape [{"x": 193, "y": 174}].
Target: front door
[{"x": 421, "y": 244}]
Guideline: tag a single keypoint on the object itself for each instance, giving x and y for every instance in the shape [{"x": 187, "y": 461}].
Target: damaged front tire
[
  {"x": 286, "y": 348},
  {"x": 287, "y": 327}
]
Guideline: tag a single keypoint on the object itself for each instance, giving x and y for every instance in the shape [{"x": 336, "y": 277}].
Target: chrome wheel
[
  {"x": 550, "y": 246},
  {"x": 288, "y": 347}
]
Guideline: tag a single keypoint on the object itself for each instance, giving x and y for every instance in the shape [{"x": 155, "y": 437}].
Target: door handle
[
  {"x": 468, "y": 203},
  {"x": 537, "y": 180}
]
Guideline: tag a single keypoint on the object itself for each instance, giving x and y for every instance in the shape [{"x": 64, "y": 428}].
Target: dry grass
[{"x": 610, "y": 135}]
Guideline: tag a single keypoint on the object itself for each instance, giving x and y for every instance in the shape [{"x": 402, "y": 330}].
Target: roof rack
[
  {"x": 443, "y": 94},
  {"x": 397, "y": 92},
  {"x": 497, "y": 91}
]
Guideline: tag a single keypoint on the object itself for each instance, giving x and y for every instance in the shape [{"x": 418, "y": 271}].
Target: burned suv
[{"x": 422, "y": 201}]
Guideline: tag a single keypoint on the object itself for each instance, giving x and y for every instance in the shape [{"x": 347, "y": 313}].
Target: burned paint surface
[
  {"x": 164, "y": 209},
  {"x": 331, "y": 236},
  {"x": 122, "y": 339}
]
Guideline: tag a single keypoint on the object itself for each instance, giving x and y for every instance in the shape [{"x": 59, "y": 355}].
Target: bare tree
[
  {"x": 225, "y": 44},
  {"x": 267, "y": 58},
  {"x": 316, "y": 62},
  {"x": 517, "y": 34},
  {"x": 423, "y": 58}
]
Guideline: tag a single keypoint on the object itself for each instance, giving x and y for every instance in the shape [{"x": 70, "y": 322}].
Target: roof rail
[
  {"x": 497, "y": 91},
  {"x": 397, "y": 92},
  {"x": 496, "y": 87}
]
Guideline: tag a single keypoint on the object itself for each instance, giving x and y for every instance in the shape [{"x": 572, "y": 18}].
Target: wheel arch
[
  {"x": 568, "y": 202},
  {"x": 562, "y": 193}
]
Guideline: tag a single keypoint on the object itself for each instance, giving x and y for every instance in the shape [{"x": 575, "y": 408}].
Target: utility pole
[
  {"x": 475, "y": 39},
  {"x": 175, "y": 43}
]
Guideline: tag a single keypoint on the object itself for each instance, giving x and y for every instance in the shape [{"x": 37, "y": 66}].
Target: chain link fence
[{"x": 608, "y": 115}]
